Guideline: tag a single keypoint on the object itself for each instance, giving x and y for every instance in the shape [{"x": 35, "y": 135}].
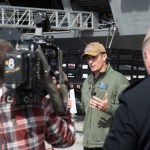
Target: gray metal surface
[{"x": 131, "y": 16}]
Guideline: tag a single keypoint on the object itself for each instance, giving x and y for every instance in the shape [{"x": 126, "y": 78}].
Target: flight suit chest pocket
[{"x": 100, "y": 89}]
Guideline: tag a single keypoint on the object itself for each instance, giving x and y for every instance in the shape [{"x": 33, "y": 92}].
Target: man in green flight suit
[{"x": 100, "y": 93}]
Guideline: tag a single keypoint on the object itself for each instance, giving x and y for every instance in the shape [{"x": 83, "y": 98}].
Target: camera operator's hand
[{"x": 69, "y": 103}]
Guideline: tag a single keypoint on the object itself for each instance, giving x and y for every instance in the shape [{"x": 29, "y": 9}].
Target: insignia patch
[
  {"x": 88, "y": 48},
  {"x": 102, "y": 85}
]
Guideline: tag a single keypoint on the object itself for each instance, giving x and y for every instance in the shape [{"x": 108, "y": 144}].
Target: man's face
[{"x": 97, "y": 63}]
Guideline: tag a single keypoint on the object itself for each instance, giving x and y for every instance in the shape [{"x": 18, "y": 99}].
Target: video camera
[{"x": 29, "y": 70}]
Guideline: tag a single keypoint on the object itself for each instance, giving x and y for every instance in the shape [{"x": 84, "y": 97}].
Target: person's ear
[
  {"x": 146, "y": 56},
  {"x": 104, "y": 56}
]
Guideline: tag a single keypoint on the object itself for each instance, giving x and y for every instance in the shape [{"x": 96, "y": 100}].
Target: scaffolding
[{"x": 23, "y": 17}]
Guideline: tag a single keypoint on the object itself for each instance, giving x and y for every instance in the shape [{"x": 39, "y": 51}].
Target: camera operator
[
  {"x": 5, "y": 46},
  {"x": 27, "y": 127}
]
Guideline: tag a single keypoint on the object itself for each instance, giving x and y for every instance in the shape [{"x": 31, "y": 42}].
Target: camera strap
[{"x": 59, "y": 102}]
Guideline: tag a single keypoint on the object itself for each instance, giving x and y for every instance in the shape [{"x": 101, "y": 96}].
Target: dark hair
[{"x": 5, "y": 47}]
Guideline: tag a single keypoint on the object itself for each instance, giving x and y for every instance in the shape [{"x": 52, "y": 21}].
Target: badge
[{"x": 102, "y": 85}]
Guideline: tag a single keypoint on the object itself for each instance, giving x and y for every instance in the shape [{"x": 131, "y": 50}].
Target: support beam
[{"x": 23, "y": 17}]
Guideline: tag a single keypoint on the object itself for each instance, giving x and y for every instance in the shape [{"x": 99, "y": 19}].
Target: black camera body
[
  {"x": 28, "y": 74},
  {"x": 23, "y": 67},
  {"x": 16, "y": 67}
]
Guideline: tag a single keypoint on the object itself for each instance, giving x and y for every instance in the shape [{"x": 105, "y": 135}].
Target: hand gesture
[{"x": 99, "y": 104}]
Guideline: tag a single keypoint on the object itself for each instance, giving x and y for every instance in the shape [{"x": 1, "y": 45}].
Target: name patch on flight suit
[{"x": 102, "y": 85}]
